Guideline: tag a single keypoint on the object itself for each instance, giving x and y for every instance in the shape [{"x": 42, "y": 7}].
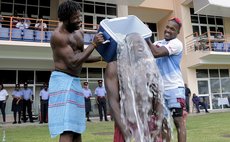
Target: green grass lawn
[{"x": 213, "y": 127}]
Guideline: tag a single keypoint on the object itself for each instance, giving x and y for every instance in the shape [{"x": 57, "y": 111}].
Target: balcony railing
[
  {"x": 208, "y": 41},
  {"x": 34, "y": 30}
]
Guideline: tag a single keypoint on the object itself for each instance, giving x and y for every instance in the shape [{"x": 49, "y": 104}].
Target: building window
[
  {"x": 203, "y": 87},
  {"x": 111, "y": 9},
  {"x": 89, "y": 8},
  {"x": 153, "y": 28},
  {"x": 94, "y": 72},
  {"x": 206, "y": 23},
  {"x": 202, "y": 73},
  {"x": 95, "y": 12},
  {"x": 100, "y": 8},
  {"x": 35, "y": 8},
  {"x": 26, "y": 76},
  {"x": 215, "y": 85},
  {"x": 88, "y": 20},
  {"x": 224, "y": 73},
  {"x": 99, "y": 19},
  {"x": 42, "y": 76},
  {"x": 225, "y": 83},
  {"x": 44, "y": 3},
  {"x": 20, "y": 1},
  {"x": 83, "y": 73},
  {"x": 215, "y": 81},
  {"x": 7, "y": 8},
  {"x": 214, "y": 73},
  {"x": 8, "y": 76},
  {"x": 32, "y": 2}
]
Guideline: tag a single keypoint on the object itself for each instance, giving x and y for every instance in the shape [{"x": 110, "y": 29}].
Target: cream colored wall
[
  {"x": 122, "y": 10},
  {"x": 227, "y": 28},
  {"x": 192, "y": 84},
  {"x": 53, "y": 9},
  {"x": 149, "y": 15},
  {"x": 186, "y": 30},
  {"x": 158, "y": 4}
]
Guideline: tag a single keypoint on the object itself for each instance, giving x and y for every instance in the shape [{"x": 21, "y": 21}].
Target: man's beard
[{"x": 72, "y": 27}]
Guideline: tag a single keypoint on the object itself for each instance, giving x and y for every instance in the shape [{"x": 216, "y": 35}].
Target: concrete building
[{"x": 205, "y": 64}]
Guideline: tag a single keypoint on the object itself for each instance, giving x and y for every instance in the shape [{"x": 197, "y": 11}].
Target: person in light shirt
[
  {"x": 101, "y": 100},
  {"x": 41, "y": 25},
  {"x": 168, "y": 54},
  {"x": 44, "y": 99},
  {"x": 3, "y": 98},
  {"x": 21, "y": 24},
  {"x": 87, "y": 94},
  {"x": 28, "y": 99},
  {"x": 1, "y": 19}
]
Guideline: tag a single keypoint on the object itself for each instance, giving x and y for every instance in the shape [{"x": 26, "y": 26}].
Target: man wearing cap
[
  {"x": 17, "y": 103},
  {"x": 44, "y": 99},
  {"x": 168, "y": 54},
  {"x": 28, "y": 99},
  {"x": 87, "y": 94},
  {"x": 101, "y": 100}
]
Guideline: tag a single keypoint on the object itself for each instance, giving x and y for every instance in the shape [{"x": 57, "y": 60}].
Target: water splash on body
[{"x": 141, "y": 89}]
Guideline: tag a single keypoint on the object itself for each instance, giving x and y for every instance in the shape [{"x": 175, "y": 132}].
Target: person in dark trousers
[
  {"x": 197, "y": 102},
  {"x": 3, "y": 98},
  {"x": 88, "y": 94},
  {"x": 101, "y": 100},
  {"x": 17, "y": 103},
  {"x": 187, "y": 97},
  {"x": 28, "y": 99},
  {"x": 44, "y": 98}
]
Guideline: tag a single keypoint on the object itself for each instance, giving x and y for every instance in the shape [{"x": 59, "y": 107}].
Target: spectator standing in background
[
  {"x": 1, "y": 19},
  {"x": 40, "y": 25},
  {"x": 187, "y": 97},
  {"x": 15, "y": 19},
  {"x": 44, "y": 99},
  {"x": 101, "y": 100},
  {"x": 27, "y": 21},
  {"x": 28, "y": 99},
  {"x": 17, "y": 103},
  {"x": 87, "y": 94},
  {"x": 21, "y": 24},
  {"x": 3, "y": 98}
]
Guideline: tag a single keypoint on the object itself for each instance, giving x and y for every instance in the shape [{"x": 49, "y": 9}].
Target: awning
[{"x": 212, "y": 7}]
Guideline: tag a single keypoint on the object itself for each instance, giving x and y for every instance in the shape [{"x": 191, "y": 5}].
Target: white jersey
[
  {"x": 3, "y": 94},
  {"x": 169, "y": 66}
]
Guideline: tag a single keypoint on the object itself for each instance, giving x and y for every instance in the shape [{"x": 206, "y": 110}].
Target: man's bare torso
[{"x": 65, "y": 46}]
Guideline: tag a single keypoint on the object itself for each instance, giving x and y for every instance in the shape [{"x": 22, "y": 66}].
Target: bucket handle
[{"x": 106, "y": 36}]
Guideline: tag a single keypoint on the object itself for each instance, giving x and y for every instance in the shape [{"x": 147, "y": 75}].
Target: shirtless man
[{"x": 66, "y": 100}]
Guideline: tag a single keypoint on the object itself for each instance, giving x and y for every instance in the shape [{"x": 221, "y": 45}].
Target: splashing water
[{"x": 141, "y": 89}]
